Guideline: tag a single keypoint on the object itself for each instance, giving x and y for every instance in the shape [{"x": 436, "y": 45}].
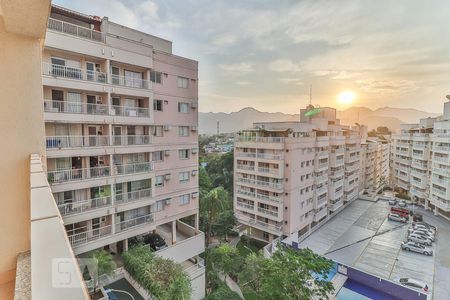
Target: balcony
[
  {"x": 268, "y": 184},
  {"x": 260, "y": 139},
  {"x": 268, "y": 212},
  {"x": 442, "y": 204},
  {"x": 133, "y": 196},
  {"x": 322, "y": 154},
  {"x": 75, "y": 30},
  {"x": 54, "y": 106},
  {"x": 134, "y": 222},
  {"x": 318, "y": 215},
  {"x": 135, "y": 168},
  {"x": 274, "y": 199},
  {"x": 267, "y": 170},
  {"x": 78, "y": 174},
  {"x": 269, "y": 156},
  {"x": 269, "y": 227},
  {"x": 131, "y": 140},
  {"x": 441, "y": 159},
  {"x": 189, "y": 242},
  {"x": 129, "y": 111},
  {"x": 84, "y": 237},
  {"x": 321, "y": 190},
  {"x": 82, "y": 206},
  {"x": 54, "y": 70},
  {"x": 245, "y": 206},
  {"x": 441, "y": 149},
  {"x": 131, "y": 82},
  {"x": 245, "y": 167},
  {"x": 246, "y": 154},
  {"x": 74, "y": 141},
  {"x": 322, "y": 166}
]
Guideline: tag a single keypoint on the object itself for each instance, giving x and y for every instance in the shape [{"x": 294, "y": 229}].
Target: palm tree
[
  {"x": 213, "y": 203},
  {"x": 105, "y": 265}
]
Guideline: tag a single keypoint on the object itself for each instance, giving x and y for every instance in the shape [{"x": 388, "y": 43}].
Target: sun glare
[{"x": 346, "y": 97}]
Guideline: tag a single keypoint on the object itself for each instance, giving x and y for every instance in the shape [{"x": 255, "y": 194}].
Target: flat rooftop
[{"x": 361, "y": 236}]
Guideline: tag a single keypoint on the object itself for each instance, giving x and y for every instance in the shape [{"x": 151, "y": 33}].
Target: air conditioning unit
[
  {"x": 167, "y": 177},
  {"x": 167, "y": 201},
  {"x": 166, "y": 152},
  {"x": 194, "y": 151},
  {"x": 194, "y": 105},
  {"x": 194, "y": 195},
  {"x": 166, "y": 127},
  {"x": 98, "y": 99},
  {"x": 194, "y": 172},
  {"x": 193, "y": 128}
]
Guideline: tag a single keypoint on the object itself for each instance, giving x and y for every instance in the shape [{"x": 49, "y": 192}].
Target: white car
[
  {"x": 402, "y": 203},
  {"x": 397, "y": 218},
  {"x": 415, "y": 284},
  {"x": 424, "y": 227},
  {"x": 425, "y": 233},
  {"x": 415, "y": 247},
  {"x": 413, "y": 237}
]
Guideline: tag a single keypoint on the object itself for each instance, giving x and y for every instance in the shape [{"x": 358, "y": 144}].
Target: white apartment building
[
  {"x": 289, "y": 176},
  {"x": 375, "y": 165},
  {"x": 420, "y": 162},
  {"x": 121, "y": 119}
]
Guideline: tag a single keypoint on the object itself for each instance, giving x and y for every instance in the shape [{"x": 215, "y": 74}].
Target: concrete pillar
[
  {"x": 108, "y": 71},
  {"x": 125, "y": 245},
  {"x": 113, "y": 222},
  {"x": 174, "y": 232},
  {"x": 196, "y": 221}
]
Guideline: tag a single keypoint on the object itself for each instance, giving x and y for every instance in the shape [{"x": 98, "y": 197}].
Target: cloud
[
  {"x": 387, "y": 86},
  {"x": 224, "y": 40},
  {"x": 291, "y": 81},
  {"x": 242, "y": 83},
  {"x": 242, "y": 68},
  {"x": 284, "y": 65}
]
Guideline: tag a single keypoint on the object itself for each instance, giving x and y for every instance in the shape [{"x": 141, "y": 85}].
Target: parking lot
[{"x": 362, "y": 236}]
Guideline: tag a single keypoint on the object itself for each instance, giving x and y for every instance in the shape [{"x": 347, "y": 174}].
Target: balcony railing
[
  {"x": 268, "y": 212},
  {"x": 130, "y": 82},
  {"x": 259, "y": 196},
  {"x": 84, "y": 205},
  {"x": 268, "y": 170},
  {"x": 270, "y": 156},
  {"x": 72, "y": 73},
  {"x": 246, "y": 154},
  {"x": 131, "y": 140},
  {"x": 89, "y": 235},
  {"x": 75, "y": 30},
  {"x": 75, "y": 141},
  {"x": 261, "y": 183},
  {"x": 245, "y": 205},
  {"x": 142, "y": 167},
  {"x": 260, "y": 139},
  {"x": 78, "y": 174},
  {"x": 133, "y": 196},
  {"x": 138, "y": 221},
  {"x": 441, "y": 149},
  {"x": 127, "y": 111},
  {"x": 245, "y": 167},
  {"x": 252, "y": 221},
  {"x": 54, "y": 106}
]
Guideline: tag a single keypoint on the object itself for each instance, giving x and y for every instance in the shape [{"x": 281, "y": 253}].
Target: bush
[
  {"x": 223, "y": 292},
  {"x": 403, "y": 196},
  {"x": 163, "y": 278}
]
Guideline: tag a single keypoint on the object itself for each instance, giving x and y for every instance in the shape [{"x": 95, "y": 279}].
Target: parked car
[
  {"x": 400, "y": 211},
  {"x": 397, "y": 218},
  {"x": 413, "y": 237},
  {"x": 425, "y": 227},
  {"x": 155, "y": 241},
  {"x": 392, "y": 201},
  {"x": 415, "y": 247},
  {"x": 417, "y": 217},
  {"x": 415, "y": 284},
  {"x": 423, "y": 233},
  {"x": 402, "y": 203}
]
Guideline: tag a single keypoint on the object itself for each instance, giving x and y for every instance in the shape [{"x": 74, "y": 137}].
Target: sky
[{"x": 265, "y": 54}]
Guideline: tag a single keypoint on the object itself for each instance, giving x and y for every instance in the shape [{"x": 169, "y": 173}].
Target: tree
[
  {"x": 105, "y": 265},
  {"x": 223, "y": 292},
  {"x": 212, "y": 204},
  {"x": 225, "y": 260},
  {"x": 288, "y": 274},
  {"x": 383, "y": 130},
  {"x": 225, "y": 223}
]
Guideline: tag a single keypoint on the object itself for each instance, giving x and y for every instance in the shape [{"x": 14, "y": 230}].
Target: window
[
  {"x": 184, "y": 176},
  {"x": 157, "y": 130},
  {"x": 155, "y": 76},
  {"x": 183, "y": 107},
  {"x": 158, "y": 156},
  {"x": 159, "y": 205},
  {"x": 183, "y": 82},
  {"x": 159, "y": 181},
  {"x": 133, "y": 79},
  {"x": 158, "y": 105},
  {"x": 183, "y": 154},
  {"x": 184, "y": 199},
  {"x": 183, "y": 130}
]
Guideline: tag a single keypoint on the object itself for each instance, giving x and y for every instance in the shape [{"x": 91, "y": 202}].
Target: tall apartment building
[
  {"x": 375, "y": 165},
  {"x": 289, "y": 176},
  {"x": 120, "y": 113},
  {"x": 421, "y": 162}
]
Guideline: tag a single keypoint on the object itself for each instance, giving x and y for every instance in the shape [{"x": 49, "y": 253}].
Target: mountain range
[{"x": 385, "y": 116}]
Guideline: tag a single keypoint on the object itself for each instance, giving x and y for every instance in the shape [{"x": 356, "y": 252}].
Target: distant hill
[{"x": 385, "y": 116}]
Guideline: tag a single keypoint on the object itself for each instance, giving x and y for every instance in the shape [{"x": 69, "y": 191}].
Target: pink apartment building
[
  {"x": 121, "y": 118},
  {"x": 290, "y": 176}
]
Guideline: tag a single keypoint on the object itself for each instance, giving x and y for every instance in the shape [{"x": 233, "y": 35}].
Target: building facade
[
  {"x": 420, "y": 163},
  {"x": 120, "y": 113},
  {"x": 375, "y": 165},
  {"x": 290, "y": 176}
]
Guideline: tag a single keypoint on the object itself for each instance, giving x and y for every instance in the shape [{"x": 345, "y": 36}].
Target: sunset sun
[{"x": 346, "y": 97}]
